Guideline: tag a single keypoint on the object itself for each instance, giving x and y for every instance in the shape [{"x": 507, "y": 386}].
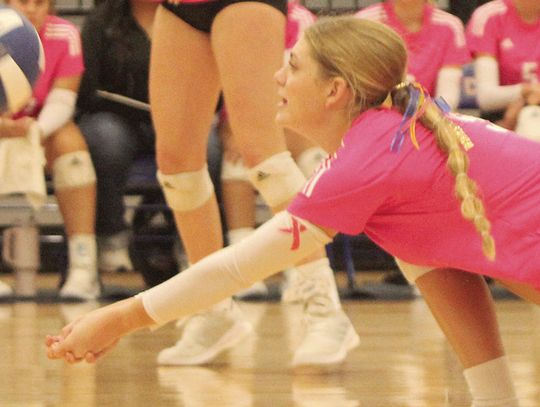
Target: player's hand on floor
[{"x": 87, "y": 338}]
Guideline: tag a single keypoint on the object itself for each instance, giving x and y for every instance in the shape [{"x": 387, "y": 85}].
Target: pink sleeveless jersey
[
  {"x": 496, "y": 29},
  {"x": 63, "y": 58},
  {"x": 439, "y": 43},
  {"x": 405, "y": 201}
]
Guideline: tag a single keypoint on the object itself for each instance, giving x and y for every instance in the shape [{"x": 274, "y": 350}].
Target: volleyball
[{"x": 21, "y": 60}]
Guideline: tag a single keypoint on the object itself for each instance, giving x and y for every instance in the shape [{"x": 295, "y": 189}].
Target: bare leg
[
  {"x": 69, "y": 161},
  {"x": 525, "y": 291},
  {"x": 184, "y": 89},
  {"x": 77, "y": 205},
  {"x": 462, "y": 305}
]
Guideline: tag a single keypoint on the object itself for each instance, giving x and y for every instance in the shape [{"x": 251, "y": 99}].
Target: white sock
[
  {"x": 82, "y": 251},
  {"x": 320, "y": 270},
  {"x": 239, "y": 234},
  {"x": 491, "y": 385}
]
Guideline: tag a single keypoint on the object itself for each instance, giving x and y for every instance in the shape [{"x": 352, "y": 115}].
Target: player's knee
[
  {"x": 233, "y": 170},
  {"x": 278, "y": 178},
  {"x": 412, "y": 272},
  {"x": 187, "y": 191},
  {"x": 310, "y": 159},
  {"x": 73, "y": 170}
]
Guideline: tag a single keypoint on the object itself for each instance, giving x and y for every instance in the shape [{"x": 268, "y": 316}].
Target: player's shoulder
[
  {"x": 59, "y": 30},
  {"x": 375, "y": 12},
  {"x": 485, "y": 14},
  {"x": 445, "y": 19},
  {"x": 449, "y": 24},
  {"x": 53, "y": 23},
  {"x": 299, "y": 12}
]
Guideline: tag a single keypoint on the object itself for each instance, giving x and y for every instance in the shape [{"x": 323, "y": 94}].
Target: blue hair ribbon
[{"x": 414, "y": 110}]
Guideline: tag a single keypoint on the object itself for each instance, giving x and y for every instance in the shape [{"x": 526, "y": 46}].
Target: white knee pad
[
  {"x": 277, "y": 178},
  {"x": 310, "y": 160},
  {"x": 411, "y": 271},
  {"x": 528, "y": 123},
  {"x": 73, "y": 170},
  {"x": 186, "y": 191},
  {"x": 234, "y": 170}
]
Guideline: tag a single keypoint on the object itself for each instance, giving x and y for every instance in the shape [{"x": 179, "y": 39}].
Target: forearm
[
  {"x": 448, "y": 85},
  {"x": 269, "y": 250},
  {"x": 490, "y": 94}
]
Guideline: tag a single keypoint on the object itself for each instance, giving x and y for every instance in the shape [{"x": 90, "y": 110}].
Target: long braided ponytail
[{"x": 452, "y": 140}]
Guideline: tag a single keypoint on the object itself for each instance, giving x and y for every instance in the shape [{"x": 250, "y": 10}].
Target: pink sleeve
[
  {"x": 482, "y": 34},
  {"x": 457, "y": 52},
  {"x": 71, "y": 60},
  {"x": 343, "y": 194}
]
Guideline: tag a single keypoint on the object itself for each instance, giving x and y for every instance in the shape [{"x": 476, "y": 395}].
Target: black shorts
[{"x": 201, "y": 15}]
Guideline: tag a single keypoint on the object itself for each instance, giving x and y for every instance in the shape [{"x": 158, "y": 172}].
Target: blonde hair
[{"x": 372, "y": 59}]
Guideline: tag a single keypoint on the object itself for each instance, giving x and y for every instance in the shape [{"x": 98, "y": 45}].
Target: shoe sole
[
  {"x": 352, "y": 340},
  {"x": 231, "y": 338}
]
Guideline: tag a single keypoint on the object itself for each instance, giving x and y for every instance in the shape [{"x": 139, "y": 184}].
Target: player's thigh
[
  {"x": 184, "y": 88},
  {"x": 248, "y": 41}
]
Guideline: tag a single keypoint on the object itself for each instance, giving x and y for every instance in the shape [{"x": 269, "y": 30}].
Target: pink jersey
[
  {"x": 496, "y": 29},
  {"x": 439, "y": 43},
  {"x": 298, "y": 19},
  {"x": 63, "y": 58},
  {"x": 405, "y": 201}
]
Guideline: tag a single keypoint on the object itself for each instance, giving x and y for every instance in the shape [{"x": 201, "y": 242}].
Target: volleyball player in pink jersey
[
  {"x": 68, "y": 160},
  {"x": 502, "y": 36},
  {"x": 435, "y": 41},
  {"x": 454, "y": 197},
  {"x": 199, "y": 49}
]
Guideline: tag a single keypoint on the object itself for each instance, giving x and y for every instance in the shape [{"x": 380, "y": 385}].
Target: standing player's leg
[
  {"x": 75, "y": 188},
  {"x": 184, "y": 90},
  {"x": 248, "y": 42}
]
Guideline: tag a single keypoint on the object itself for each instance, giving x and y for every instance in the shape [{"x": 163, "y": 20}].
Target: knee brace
[
  {"x": 412, "y": 272},
  {"x": 233, "y": 170},
  {"x": 528, "y": 123},
  {"x": 277, "y": 178},
  {"x": 186, "y": 191},
  {"x": 73, "y": 170},
  {"x": 310, "y": 160}
]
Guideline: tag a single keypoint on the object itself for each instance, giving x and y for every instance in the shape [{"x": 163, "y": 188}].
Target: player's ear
[{"x": 338, "y": 94}]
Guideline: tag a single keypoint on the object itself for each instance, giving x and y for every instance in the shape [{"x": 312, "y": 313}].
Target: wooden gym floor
[{"x": 403, "y": 360}]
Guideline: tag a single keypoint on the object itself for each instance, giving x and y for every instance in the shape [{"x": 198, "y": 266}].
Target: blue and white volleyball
[{"x": 21, "y": 60}]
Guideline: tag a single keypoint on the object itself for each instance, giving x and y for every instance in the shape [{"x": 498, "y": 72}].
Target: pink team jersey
[
  {"x": 63, "y": 58},
  {"x": 439, "y": 43},
  {"x": 496, "y": 29},
  {"x": 405, "y": 201}
]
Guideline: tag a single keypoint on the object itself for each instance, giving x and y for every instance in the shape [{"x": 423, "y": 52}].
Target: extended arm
[{"x": 281, "y": 242}]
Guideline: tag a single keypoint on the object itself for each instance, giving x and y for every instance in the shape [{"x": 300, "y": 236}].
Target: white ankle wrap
[
  {"x": 186, "y": 191},
  {"x": 491, "y": 384},
  {"x": 73, "y": 170},
  {"x": 82, "y": 251},
  {"x": 277, "y": 179}
]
